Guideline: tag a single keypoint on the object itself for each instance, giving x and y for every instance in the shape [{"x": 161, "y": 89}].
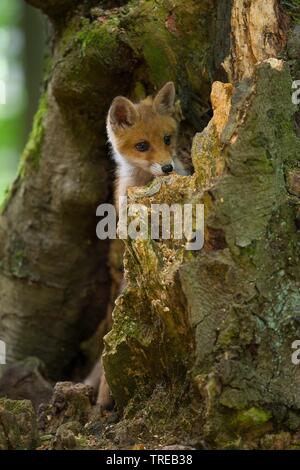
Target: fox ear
[
  {"x": 122, "y": 112},
  {"x": 165, "y": 99}
]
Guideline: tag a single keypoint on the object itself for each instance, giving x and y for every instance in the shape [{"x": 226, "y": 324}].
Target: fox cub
[{"x": 143, "y": 138}]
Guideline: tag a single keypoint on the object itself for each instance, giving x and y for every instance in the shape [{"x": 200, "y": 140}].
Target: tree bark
[
  {"x": 54, "y": 279},
  {"x": 201, "y": 342},
  {"x": 204, "y": 340}
]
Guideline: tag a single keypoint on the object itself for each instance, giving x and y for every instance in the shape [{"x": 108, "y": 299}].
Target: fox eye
[
  {"x": 143, "y": 146},
  {"x": 167, "y": 139}
]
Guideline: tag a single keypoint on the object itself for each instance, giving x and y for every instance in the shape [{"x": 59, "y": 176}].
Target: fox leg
[
  {"x": 94, "y": 377},
  {"x": 104, "y": 398},
  {"x": 97, "y": 380}
]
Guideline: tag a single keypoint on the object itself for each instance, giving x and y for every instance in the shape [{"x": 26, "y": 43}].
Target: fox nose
[{"x": 167, "y": 168}]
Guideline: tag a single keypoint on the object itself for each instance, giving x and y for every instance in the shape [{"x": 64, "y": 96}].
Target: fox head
[{"x": 144, "y": 134}]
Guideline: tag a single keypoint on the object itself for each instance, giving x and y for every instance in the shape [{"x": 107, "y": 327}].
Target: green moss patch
[{"x": 33, "y": 150}]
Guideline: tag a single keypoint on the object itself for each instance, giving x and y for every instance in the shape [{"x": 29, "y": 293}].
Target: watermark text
[
  {"x": 159, "y": 222},
  {"x": 2, "y": 352}
]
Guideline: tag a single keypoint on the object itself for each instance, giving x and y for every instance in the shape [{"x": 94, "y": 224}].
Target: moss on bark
[{"x": 18, "y": 425}]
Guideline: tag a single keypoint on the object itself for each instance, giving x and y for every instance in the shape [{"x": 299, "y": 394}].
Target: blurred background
[{"x": 22, "y": 43}]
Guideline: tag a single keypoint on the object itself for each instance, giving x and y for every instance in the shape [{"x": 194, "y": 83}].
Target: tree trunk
[
  {"x": 54, "y": 278},
  {"x": 201, "y": 341}
]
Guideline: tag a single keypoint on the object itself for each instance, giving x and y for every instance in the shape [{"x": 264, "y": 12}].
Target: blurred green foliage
[{"x": 12, "y": 111}]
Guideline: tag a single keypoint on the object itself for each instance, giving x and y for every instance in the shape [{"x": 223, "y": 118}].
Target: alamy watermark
[
  {"x": 296, "y": 93},
  {"x": 162, "y": 222},
  {"x": 2, "y": 352},
  {"x": 296, "y": 354}
]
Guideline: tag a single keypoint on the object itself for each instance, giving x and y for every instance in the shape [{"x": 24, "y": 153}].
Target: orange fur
[{"x": 149, "y": 121}]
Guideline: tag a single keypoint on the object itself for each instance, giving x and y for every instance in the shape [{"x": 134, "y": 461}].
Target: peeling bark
[{"x": 258, "y": 31}]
